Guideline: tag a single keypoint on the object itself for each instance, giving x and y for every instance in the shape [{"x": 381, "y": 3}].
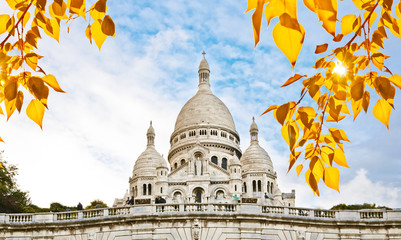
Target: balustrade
[
  {"x": 299, "y": 211},
  {"x": 198, "y": 207},
  {"x": 20, "y": 218},
  {"x": 93, "y": 213},
  {"x": 272, "y": 209},
  {"x": 118, "y": 211},
  {"x": 66, "y": 216},
  {"x": 324, "y": 213},
  {"x": 370, "y": 215}
]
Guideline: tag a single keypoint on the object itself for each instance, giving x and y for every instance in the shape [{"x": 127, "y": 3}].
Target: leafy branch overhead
[
  {"x": 20, "y": 33},
  {"x": 345, "y": 78}
]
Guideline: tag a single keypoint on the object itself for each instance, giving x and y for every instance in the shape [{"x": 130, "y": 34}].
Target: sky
[{"x": 93, "y": 134}]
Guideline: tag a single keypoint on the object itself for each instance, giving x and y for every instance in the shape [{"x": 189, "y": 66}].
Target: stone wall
[{"x": 203, "y": 222}]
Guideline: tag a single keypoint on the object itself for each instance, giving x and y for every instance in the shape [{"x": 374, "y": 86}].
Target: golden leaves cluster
[
  {"x": 19, "y": 35},
  {"x": 335, "y": 94}
]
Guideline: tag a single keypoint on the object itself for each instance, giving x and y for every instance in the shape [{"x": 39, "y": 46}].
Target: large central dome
[{"x": 204, "y": 108}]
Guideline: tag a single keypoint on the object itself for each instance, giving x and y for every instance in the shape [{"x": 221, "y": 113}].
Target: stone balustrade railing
[{"x": 136, "y": 210}]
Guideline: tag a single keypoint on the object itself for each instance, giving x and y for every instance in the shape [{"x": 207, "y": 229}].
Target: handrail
[{"x": 191, "y": 208}]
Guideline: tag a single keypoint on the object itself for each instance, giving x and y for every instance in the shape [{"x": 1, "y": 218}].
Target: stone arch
[
  {"x": 199, "y": 193},
  {"x": 215, "y": 189}
]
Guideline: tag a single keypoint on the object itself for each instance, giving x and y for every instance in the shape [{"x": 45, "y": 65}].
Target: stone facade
[
  {"x": 206, "y": 162},
  {"x": 203, "y": 222}
]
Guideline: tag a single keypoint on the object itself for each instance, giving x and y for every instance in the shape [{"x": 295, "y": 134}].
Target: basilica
[{"x": 205, "y": 162}]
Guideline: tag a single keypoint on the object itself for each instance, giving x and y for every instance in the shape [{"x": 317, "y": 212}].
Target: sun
[{"x": 340, "y": 69}]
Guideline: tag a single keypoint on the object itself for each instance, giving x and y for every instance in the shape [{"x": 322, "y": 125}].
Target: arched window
[
  {"x": 224, "y": 163},
  {"x": 244, "y": 187},
  {"x": 259, "y": 186},
  {"x": 254, "y": 185},
  {"x": 235, "y": 187},
  {"x": 149, "y": 189},
  {"x": 268, "y": 186},
  {"x": 235, "y": 170},
  {"x": 144, "y": 189},
  {"x": 182, "y": 161},
  {"x": 214, "y": 160},
  {"x": 136, "y": 191},
  {"x": 271, "y": 187},
  {"x": 175, "y": 165},
  {"x": 161, "y": 190}
]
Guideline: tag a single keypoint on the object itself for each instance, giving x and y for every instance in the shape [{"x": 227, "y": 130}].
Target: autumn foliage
[
  {"x": 19, "y": 36},
  {"x": 343, "y": 83}
]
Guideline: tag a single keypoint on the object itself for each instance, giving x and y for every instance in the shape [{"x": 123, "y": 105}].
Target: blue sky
[{"x": 93, "y": 134}]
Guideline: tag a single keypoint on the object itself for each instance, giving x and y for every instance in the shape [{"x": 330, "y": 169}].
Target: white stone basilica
[{"x": 206, "y": 162}]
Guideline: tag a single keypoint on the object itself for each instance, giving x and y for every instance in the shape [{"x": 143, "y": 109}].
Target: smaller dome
[
  {"x": 203, "y": 64},
  {"x": 147, "y": 162},
  {"x": 235, "y": 161},
  {"x": 162, "y": 163},
  {"x": 255, "y": 158}
]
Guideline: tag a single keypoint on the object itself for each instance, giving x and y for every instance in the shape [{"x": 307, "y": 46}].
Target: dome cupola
[
  {"x": 150, "y": 159},
  {"x": 255, "y": 158}
]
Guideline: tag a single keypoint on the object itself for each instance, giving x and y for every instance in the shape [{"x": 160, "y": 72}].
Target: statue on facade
[{"x": 198, "y": 167}]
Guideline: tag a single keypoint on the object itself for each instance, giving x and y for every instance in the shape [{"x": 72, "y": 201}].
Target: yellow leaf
[
  {"x": 290, "y": 133},
  {"x": 289, "y": 35},
  {"x": 332, "y": 177},
  {"x": 35, "y": 111},
  {"x": 383, "y": 86},
  {"x": 251, "y": 5},
  {"x": 88, "y": 33},
  {"x": 98, "y": 10},
  {"x": 52, "y": 28},
  {"x": 10, "y": 25},
  {"x": 372, "y": 17},
  {"x": 108, "y": 27},
  {"x": 357, "y": 88},
  {"x": 77, "y": 7},
  {"x": 327, "y": 13},
  {"x": 257, "y": 20},
  {"x": 14, "y": 4},
  {"x": 317, "y": 168},
  {"x": 299, "y": 169},
  {"x": 346, "y": 24},
  {"x": 52, "y": 82},
  {"x": 19, "y": 101},
  {"x": 281, "y": 113},
  {"x": 292, "y": 79},
  {"x": 396, "y": 80},
  {"x": 339, "y": 157},
  {"x": 11, "y": 89},
  {"x": 97, "y": 34},
  {"x": 26, "y": 17},
  {"x": 398, "y": 10},
  {"x": 327, "y": 154},
  {"x": 338, "y": 135},
  {"x": 321, "y": 48},
  {"x": 382, "y": 111},
  {"x": 312, "y": 182},
  {"x": 272, "y": 107},
  {"x": 378, "y": 60},
  {"x": 32, "y": 60},
  {"x": 37, "y": 88},
  {"x": 310, "y": 4},
  {"x": 4, "y": 18},
  {"x": 57, "y": 9},
  {"x": 359, "y": 3},
  {"x": 365, "y": 101}
]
